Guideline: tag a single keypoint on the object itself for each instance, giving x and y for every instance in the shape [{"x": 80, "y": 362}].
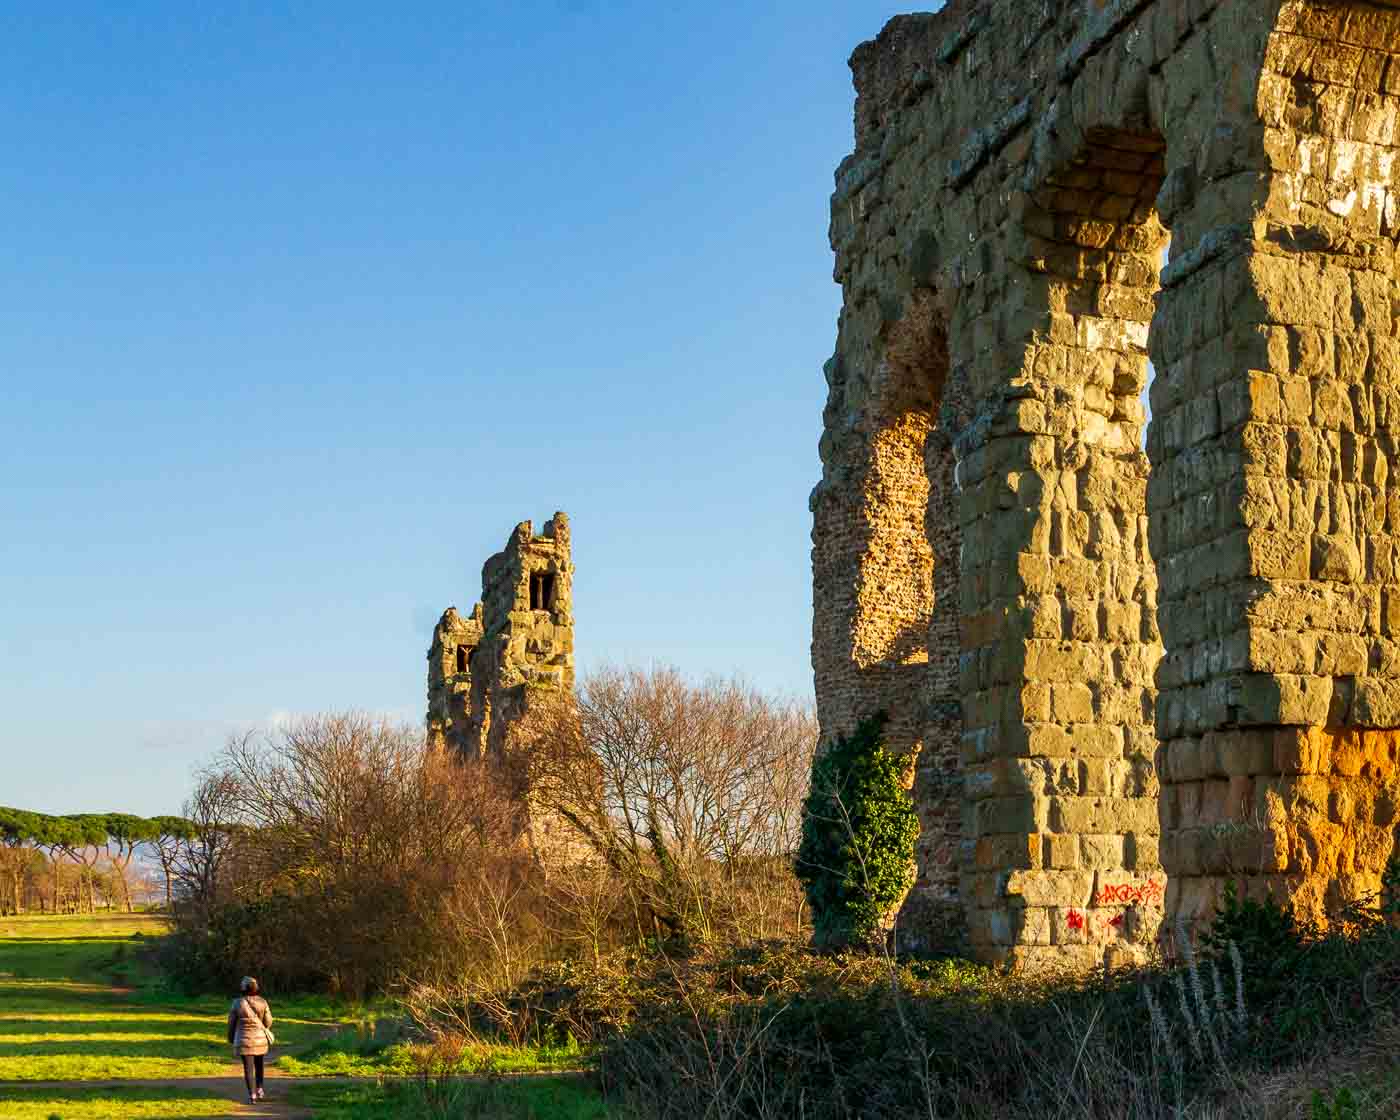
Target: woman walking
[{"x": 250, "y": 1034}]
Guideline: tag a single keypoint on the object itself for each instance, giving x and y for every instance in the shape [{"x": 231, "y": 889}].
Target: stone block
[
  {"x": 1101, "y": 814},
  {"x": 1214, "y": 804},
  {"x": 1069, "y": 927},
  {"x": 1334, "y": 558},
  {"x": 989, "y": 888},
  {"x": 1051, "y": 888},
  {"x": 1072, "y": 703},
  {"x": 1301, "y": 750},
  {"x": 1280, "y": 651},
  {"x": 1013, "y": 852},
  {"x": 1118, "y": 887},
  {"x": 1080, "y": 741},
  {"x": 1023, "y": 814},
  {"x": 1376, "y": 703},
  {"x": 1141, "y": 851},
  {"x": 1034, "y": 926},
  {"x": 1279, "y": 698},
  {"x": 1341, "y": 655},
  {"x": 1240, "y": 797},
  {"x": 1061, "y": 851},
  {"x": 1101, "y": 852}
]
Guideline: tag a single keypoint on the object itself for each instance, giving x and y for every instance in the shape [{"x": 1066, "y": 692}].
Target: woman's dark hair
[{"x": 248, "y": 986}]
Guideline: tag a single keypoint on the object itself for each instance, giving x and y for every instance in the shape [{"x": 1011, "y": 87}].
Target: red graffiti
[
  {"x": 1074, "y": 919},
  {"x": 1116, "y": 921},
  {"x": 1127, "y": 893}
]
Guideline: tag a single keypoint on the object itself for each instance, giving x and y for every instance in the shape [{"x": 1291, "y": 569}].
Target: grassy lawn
[
  {"x": 79, "y": 1002},
  {"x": 66, "y": 1011},
  {"x": 368, "y": 1053},
  {"x": 105, "y": 1104},
  {"x": 534, "y": 1098}
]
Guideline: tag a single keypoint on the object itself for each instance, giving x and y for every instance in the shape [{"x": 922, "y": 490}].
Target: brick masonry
[{"x": 1126, "y": 676}]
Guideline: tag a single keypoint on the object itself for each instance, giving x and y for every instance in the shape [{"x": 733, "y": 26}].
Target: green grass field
[
  {"x": 536, "y": 1098},
  {"x": 108, "y": 1104},
  {"x": 68, "y": 1010},
  {"x": 80, "y": 1002},
  {"x": 360, "y": 1053}
]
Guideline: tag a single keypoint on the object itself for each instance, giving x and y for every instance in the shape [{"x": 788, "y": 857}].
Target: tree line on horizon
[{"x": 67, "y": 863}]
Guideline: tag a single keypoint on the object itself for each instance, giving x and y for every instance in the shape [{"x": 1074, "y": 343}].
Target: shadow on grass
[
  {"x": 166, "y": 1046},
  {"x": 111, "y": 938},
  {"x": 55, "y": 997},
  {"x": 104, "y": 1103},
  {"x": 71, "y": 958},
  {"x": 54, "y": 1026},
  {"x": 90, "y": 1005}
]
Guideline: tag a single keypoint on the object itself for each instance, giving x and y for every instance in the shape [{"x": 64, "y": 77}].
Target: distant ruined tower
[{"x": 517, "y": 642}]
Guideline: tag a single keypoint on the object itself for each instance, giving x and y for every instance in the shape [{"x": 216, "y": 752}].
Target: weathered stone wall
[
  {"x": 998, "y": 234},
  {"x": 450, "y": 677},
  {"x": 517, "y": 642}
]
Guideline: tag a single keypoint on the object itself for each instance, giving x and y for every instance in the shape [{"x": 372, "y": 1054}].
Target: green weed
[{"x": 489, "y": 1099}]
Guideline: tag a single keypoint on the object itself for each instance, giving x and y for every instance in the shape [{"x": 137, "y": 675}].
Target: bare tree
[
  {"x": 683, "y": 789},
  {"x": 584, "y": 905},
  {"x": 199, "y": 860},
  {"x": 367, "y": 838}
]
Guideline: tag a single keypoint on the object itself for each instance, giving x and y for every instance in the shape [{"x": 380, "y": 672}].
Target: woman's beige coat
[{"x": 249, "y": 1020}]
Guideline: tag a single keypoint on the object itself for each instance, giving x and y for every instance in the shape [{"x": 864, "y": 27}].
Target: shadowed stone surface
[{"x": 1126, "y": 677}]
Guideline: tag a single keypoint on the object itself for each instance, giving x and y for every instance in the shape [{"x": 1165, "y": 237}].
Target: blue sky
[{"x": 304, "y": 307}]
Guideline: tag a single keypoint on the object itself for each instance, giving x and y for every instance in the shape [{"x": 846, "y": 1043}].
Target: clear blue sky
[{"x": 305, "y": 306}]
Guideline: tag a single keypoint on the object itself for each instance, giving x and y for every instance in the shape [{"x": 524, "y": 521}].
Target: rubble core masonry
[
  {"x": 1127, "y": 677},
  {"x": 517, "y": 643}
]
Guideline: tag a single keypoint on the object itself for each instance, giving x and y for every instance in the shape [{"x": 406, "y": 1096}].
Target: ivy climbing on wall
[{"x": 856, "y": 859}]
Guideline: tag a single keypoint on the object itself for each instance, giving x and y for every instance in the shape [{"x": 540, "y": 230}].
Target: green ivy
[
  {"x": 1341, "y": 1106},
  {"x": 856, "y": 859}
]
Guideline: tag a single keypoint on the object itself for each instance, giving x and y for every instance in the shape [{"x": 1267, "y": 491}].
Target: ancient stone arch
[{"x": 1172, "y": 667}]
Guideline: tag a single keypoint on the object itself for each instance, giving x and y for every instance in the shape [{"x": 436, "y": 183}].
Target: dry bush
[
  {"x": 1358, "y": 1082},
  {"x": 341, "y": 850},
  {"x": 673, "y": 811},
  {"x": 873, "y": 1039},
  {"x": 690, "y": 794}
]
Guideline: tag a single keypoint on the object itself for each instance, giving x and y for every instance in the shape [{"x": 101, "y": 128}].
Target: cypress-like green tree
[{"x": 856, "y": 859}]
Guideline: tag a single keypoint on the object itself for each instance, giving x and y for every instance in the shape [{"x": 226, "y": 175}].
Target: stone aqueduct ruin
[{"x": 1123, "y": 673}]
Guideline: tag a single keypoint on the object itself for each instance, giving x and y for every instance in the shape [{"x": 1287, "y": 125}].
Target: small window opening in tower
[
  {"x": 541, "y": 591},
  {"x": 463, "y": 654}
]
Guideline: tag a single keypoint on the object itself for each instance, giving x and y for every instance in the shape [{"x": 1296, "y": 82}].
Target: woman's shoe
[{"x": 260, "y": 1093}]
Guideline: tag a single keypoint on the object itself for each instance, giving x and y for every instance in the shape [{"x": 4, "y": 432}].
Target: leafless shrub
[
  {"x": 198, "y": 863},
  {"x": 355, "y": 853},
  {"x": 689, "y": 793}
]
